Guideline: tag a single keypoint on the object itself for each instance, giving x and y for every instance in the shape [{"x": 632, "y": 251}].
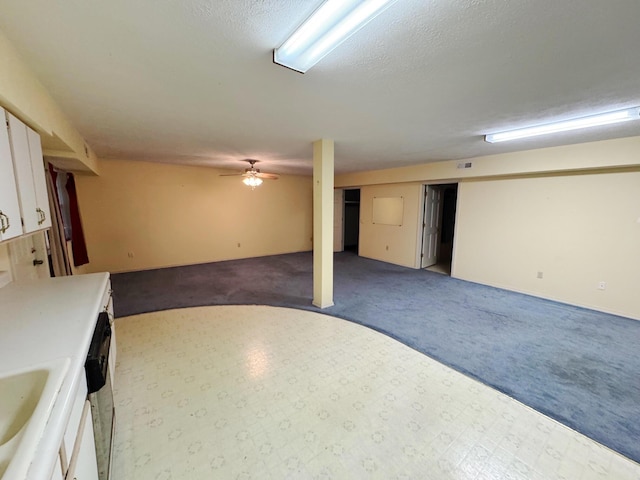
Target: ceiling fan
[{"x": 252, "y": 176}]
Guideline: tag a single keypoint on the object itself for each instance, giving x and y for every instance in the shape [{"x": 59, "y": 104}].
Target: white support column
[{"x": 323, "y": 223}]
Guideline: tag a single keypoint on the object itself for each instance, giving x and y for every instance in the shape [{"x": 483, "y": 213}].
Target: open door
[{"x": 431, "y": 225}]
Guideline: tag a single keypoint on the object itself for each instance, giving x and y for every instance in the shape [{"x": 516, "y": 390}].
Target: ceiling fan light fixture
[
  {"x": 252, "y": 181},
  {"x": 606, "y": 118},
  {"x": 330, "y": 25},
  {"x": 252, "y": 177}
]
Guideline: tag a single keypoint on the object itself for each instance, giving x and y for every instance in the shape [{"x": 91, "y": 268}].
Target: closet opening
[{"x": 351, "y": 219}]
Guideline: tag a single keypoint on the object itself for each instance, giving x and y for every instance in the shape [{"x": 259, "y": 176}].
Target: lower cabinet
[
  {"x": 83, "y": 465},
  {"x": 77, "y": 459},
  {"x": 57, "y": 471}
]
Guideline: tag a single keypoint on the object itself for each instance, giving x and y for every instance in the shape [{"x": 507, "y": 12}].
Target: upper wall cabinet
[
  {"x": 10, "y": 224},
  {"x": 28, "y": 167},
  {"x": 39, "y": 179}
]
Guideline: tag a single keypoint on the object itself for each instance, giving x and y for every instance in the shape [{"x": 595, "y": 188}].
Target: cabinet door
[
  {"x": 10, "y": 222},
  {"x": 39, "y": 179},
  {"x": 86, "y": 466},
  {"x": 24, "y": 174},
  {"x": 79, "y": 441},
  {"x": 71, "y": 432},
  {"x": 57, "y": 471}
]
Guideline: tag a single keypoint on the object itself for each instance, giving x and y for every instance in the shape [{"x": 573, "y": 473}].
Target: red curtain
[{"x": 78, "y": 245}]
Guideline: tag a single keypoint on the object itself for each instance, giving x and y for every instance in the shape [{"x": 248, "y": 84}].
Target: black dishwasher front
[{"x": 100, "y": 393}]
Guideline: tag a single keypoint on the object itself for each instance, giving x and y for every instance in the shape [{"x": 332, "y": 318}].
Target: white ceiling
[{"x": 192, "y": 81}]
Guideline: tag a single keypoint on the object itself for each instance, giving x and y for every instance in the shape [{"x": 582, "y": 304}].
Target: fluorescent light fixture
[
  {"x": 330, "y": 25},
  {"x": 573, "y": 124}
]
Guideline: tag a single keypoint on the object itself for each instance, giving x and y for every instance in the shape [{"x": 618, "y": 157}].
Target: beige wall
[
  {"x": 571, "y": 212},
  {"x": 390, "y": 243},
  {"x": 577, "y": 230},
  {"x": 605, "y": 155},
  {"x": 23, "y": 95},
  {"x": 169, "y": 215}
]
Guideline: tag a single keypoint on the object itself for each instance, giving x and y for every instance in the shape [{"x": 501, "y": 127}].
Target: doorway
[
  {"x": 351, "y": 220},
  {"x": 438, "y": 227}
]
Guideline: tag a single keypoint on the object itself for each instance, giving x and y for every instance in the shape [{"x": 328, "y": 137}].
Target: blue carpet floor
[{"x": 578, "y": 366}]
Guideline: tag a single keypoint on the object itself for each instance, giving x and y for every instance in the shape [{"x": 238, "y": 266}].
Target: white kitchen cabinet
[
  {"x": 85, "y": 466},
  {"x": 32, "y": 190},
  {"x": 41, "y": 322},
  {"x": 77, "y": 452},
  {"x": 71, "y": 431},
  {"x": 10, "y": 224},
  {"x": 39, "y": 179},
  {"x": 57, "y": 471}
]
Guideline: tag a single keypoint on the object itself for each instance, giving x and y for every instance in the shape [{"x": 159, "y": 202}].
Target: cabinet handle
[
  {"x": 4, "y": 226},
  {"x": 40, "y": 215}
]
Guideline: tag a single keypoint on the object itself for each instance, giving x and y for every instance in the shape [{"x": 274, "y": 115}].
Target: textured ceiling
[{"x": 192, "y": 81}]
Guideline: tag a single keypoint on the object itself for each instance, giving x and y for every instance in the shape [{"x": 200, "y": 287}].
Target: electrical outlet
[
  {"x": 602, "y": 285},
  {"x": 540, "y": 274}
]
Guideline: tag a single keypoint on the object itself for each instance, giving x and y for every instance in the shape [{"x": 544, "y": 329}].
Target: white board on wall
[{"x": 388, "y": 210}]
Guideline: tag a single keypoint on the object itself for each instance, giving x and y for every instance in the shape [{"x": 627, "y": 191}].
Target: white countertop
[{"x": 43, "y": 321}]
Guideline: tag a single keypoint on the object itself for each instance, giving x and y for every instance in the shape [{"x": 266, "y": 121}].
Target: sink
[
  {"x": 20, "y": 396},
  {"x": 27, "y": 397}
]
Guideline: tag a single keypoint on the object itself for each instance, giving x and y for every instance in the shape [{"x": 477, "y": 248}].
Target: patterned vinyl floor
[{"x": 251, "y": 392}]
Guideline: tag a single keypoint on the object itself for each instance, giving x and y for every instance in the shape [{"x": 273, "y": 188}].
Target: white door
[
  {"x": 10, "y": 221},
  {"x": 338, "y": 220},
  {"x": 431, "y": 226}
]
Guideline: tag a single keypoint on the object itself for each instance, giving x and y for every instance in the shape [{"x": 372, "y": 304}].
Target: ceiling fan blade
[{"x": 267, "y": 176}]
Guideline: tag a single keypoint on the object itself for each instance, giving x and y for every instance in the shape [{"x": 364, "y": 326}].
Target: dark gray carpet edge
[{"x": 578, "y": 366}]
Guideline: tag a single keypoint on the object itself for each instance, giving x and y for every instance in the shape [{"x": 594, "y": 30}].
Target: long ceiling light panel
[
  {"x": 330, "y": 25},
  {"x": 573, "y": 124}
]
